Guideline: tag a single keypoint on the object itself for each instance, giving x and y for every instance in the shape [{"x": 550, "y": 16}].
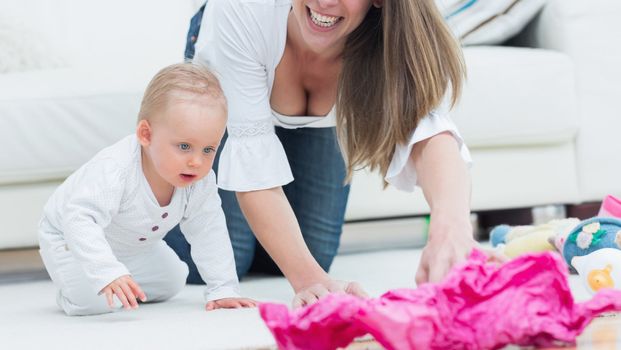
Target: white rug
[{"x": 30, "y": 319}]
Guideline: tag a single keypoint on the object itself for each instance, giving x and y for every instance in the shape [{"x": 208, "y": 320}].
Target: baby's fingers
[
  {"x": 211, "y": 305},
  {"x": 248, "y": 303},
  {"x": 121, "y": 296},
  {"x": 137, "y": 290},
  {"x": 131, "y": 298},
  {"x": 108, "y": 292}
]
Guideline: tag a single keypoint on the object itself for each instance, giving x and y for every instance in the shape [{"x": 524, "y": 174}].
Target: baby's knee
[
  {"x": 173, "y": 284},
  {"x": 83, "y": 305},
  {"x": 179, "y": 277}
]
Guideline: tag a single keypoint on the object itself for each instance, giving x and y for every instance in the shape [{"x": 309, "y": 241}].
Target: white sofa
[{"x": 541, "y": 122}]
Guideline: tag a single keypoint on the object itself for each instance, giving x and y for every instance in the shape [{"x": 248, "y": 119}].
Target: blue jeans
[
  {"x": 318, "y": 197},
  {"x": 195, "y": 26}
]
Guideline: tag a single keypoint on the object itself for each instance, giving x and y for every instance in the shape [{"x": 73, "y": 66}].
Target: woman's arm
[
  {"x": 273, "y": 222},
  {"x": 445, "y": 180}
]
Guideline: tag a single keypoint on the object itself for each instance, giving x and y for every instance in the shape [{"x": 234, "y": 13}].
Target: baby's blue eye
[
  {"x": 184, "y": 146},
  {"x": 208, "y": 150}
]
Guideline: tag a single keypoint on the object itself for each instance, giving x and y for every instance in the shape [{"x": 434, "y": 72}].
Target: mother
[{"x": 385, "y": 73}]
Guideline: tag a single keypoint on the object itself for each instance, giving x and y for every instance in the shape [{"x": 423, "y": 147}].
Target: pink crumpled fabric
[{"x": 479, "y": 305}]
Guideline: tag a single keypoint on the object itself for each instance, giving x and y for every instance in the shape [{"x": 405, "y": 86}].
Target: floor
[
  {"x": 30, "y": 319},
  {"x": 29, "y": 309}
]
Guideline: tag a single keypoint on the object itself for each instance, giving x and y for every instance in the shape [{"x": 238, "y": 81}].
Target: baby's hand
[
  {"x": 230, "y": 303},
  {"x": 126, "y": 290}
]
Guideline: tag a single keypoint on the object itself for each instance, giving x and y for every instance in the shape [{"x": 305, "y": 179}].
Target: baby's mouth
[{"x": 188, "y": 177}]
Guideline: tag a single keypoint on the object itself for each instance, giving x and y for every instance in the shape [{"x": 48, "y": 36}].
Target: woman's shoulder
[
  {"x": 256, "y": 26},
  {"x": 250, "y": 7}
]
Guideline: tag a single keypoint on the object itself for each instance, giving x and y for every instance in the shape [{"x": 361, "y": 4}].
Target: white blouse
[{"x": 243, "y": 42}]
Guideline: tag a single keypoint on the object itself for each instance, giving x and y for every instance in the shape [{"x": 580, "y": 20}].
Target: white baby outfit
[
  {"x": 104, "y": 222},
  {"x": 243, "y": 41}
]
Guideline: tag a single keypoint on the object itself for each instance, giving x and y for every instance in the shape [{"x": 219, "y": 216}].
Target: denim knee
[
  {"x": 175, "y": 240},
  {"x": 193, "y": 30}
]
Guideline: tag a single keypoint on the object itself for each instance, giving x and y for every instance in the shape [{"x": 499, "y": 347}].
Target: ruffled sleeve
[
  {"x": 233, "y": 43},
  {"x": 401, "y": 172}
]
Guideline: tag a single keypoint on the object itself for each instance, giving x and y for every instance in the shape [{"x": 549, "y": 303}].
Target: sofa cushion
[
  {"x": 487, "y": 22},
  {"x": 53, "y": 121},
  {"x": 109, "y": 33},
  {"x": 517, "y": 97}
]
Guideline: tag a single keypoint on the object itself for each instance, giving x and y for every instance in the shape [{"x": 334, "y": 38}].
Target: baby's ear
[
  {"x": 378, "y": 3},
  {"x": 143, "y": 132}
]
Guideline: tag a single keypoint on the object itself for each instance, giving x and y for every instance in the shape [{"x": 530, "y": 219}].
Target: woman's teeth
[{"x": 321, "y": 20}]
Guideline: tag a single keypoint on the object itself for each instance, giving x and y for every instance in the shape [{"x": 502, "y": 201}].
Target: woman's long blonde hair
[{"x": 397, "y": 67}]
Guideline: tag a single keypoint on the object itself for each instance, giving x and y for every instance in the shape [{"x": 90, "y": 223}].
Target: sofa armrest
[{"x": 588, "y": 32}]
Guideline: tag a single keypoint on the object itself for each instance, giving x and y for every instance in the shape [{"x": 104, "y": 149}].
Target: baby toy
[
  {"x": 518, "y": 240},
  {"x": 513, "y": 241},
  {"x": 600, "y": 269},
  {"x": 611, "y": 207},
  {"x": 592, "y": 235}
]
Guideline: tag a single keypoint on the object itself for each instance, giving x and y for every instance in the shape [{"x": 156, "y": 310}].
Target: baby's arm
[
  {"x": 94, "y": 199},
  {"x": 205, "y": 229}
]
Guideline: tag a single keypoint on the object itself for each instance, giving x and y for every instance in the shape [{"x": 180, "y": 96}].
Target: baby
[{"x": 102, "y": 229}]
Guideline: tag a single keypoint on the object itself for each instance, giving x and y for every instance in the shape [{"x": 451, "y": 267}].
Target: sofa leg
[
  {"x": 583, "y": 211},
  {"x": 489, "y": 219}
]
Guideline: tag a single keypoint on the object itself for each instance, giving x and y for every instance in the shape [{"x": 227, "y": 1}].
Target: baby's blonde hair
[{"x": 178, "y": 80}]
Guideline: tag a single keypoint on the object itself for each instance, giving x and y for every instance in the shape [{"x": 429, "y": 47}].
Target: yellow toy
[{"x": 518, "y": 240}]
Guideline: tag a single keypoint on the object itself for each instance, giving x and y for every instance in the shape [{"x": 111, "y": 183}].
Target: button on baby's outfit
[
  {"x": 164, "y": 216},
  {"x": 141, "y": 239},
  {"x": 155, "y": 228}
]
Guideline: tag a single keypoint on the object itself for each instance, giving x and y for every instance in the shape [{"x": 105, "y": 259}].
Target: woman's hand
[
  {"x": 230, "y": 303},
  {"x": 313, "y": 293},
  {"x": 126, "y": 290},
  {"x": 450, "y": 242}
]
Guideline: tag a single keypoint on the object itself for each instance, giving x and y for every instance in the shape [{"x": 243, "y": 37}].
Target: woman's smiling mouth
[{"x": 323, "y": 21}]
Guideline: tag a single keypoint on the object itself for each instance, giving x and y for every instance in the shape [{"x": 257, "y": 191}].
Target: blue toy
[{"x": 591, "y": 235}]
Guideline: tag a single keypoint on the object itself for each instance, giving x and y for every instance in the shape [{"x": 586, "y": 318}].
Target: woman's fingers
[
  {"x": 496, "y": 256},
  {"x": 437, "y": 273},
  {"x": 230, "y": 303},
  {"x": 354, "y": 288},
  {"x": 422, "y": 275},
  {"x": 319, "y": 290},
  {"x": 304, "y": 298}
]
